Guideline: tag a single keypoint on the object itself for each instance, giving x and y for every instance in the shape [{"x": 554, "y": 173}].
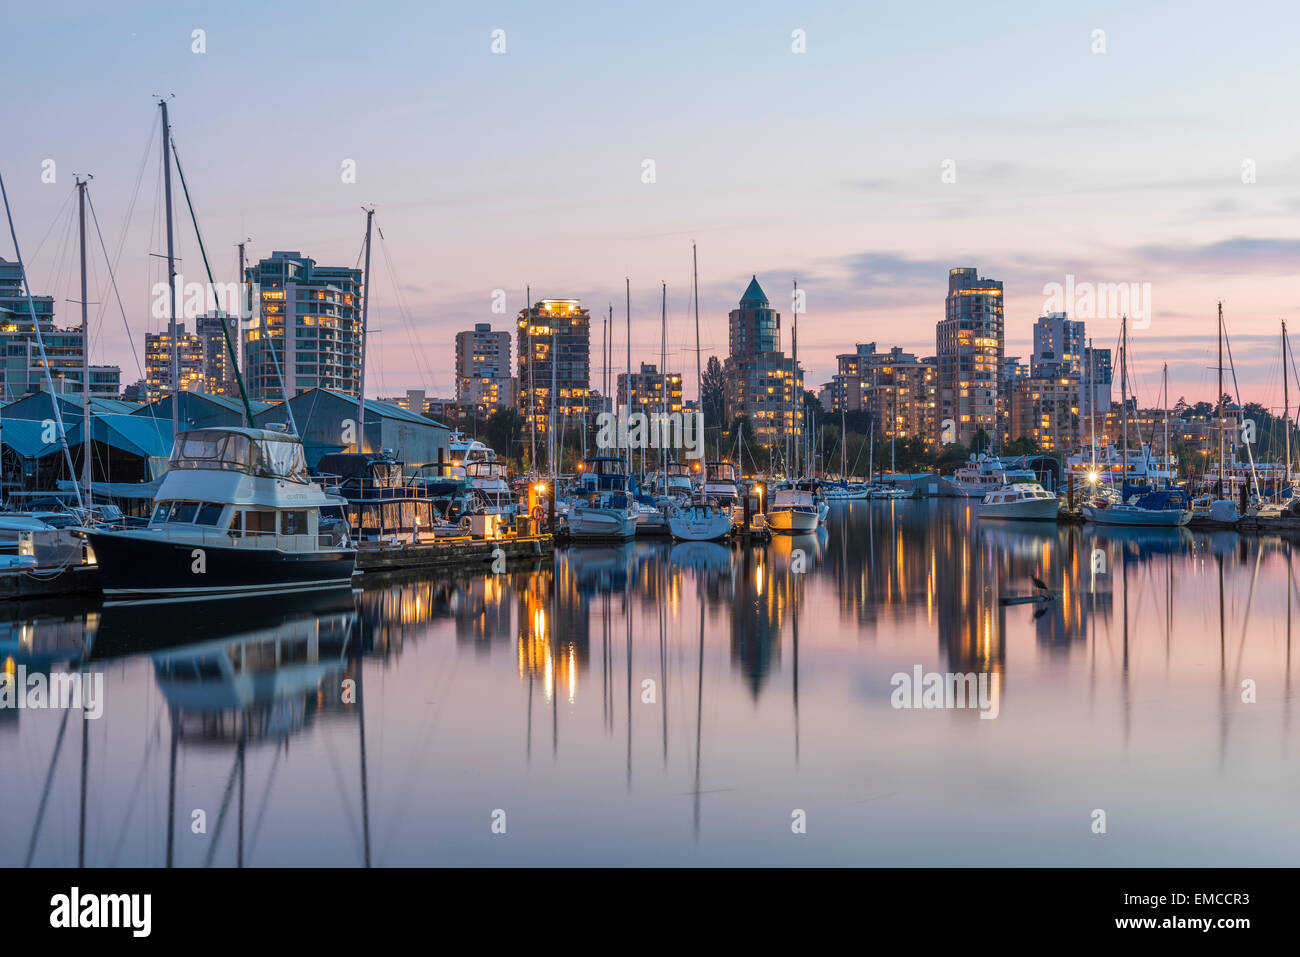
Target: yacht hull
[
  {"x": 708, "y": 529},
  {"x": 1042, "y": 509},
  {"x": 792, "y": 521},
  {"x": 140, "y": 565},
  {"x": 601, "y": 524},
  {"x": 1150, "y": 517}
]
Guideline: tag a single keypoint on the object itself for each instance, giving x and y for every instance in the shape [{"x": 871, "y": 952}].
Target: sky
[{"x": 904, "y": 140}]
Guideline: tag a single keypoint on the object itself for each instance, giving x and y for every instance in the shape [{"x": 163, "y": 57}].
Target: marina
[{"x": 772, "y": 690}]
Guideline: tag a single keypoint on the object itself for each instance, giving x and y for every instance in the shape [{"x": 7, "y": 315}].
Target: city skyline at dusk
[{"x": 1033, "y": 160}]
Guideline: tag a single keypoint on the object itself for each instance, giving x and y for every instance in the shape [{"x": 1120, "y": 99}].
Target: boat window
[
  {"x": 259, "y": 521},
  {"x": 209, "y": 513},
  {"x": 293, "y": 523},
  {"x": 284, "y": 460},
  {"x": 183, "y": 512}
]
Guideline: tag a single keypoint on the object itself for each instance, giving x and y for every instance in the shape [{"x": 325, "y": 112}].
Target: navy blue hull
[{"x": 144, "y": 565}]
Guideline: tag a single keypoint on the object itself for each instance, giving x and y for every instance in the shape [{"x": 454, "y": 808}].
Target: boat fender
[{"x": 464, "y": 523}]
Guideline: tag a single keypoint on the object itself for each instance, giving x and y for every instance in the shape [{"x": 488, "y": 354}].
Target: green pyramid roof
[{"x": 754, "y": 293}]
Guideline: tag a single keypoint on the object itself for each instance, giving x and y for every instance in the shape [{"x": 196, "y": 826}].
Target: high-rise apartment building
[
  {"x": 554, "y": 336},
  {"x": 645, "y": 391},
  {"x": 23, "y": 368},
  {"x": 761, "y": 382},
  {"x": 304, "y": 328},
  {"x": 1045, "y": 409},
  {"x": 219, "y": 375},
  {"x": 158, "y": 362},
  {"x": 970, "y": 343},
  {"x": 483, "y": 377},
  {"x": 895, "y": 387}
]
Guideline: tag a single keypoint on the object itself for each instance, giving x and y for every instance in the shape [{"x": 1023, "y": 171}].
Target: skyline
[{"x": 784, "y": 165}]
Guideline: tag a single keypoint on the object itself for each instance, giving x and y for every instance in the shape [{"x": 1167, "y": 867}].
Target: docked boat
[
  {"x": 491, "y": 479},
  {"x": 48, "y": 539},
  {"x": 1160, "y": 508},
  {"x": 700, "y": 521},
  {"x": 1108, "y": 465},
  {"x": 1021, "y": 501},
  {"x": 793, "y": 509},
  {"x": 602, "y": 507},
  {"x": 382, "y": 504},
  {"x": 841, "y": 491},
  {"x": 454, "y": 501},
  {"x": 722, "y": 485},
  {"x": 985, "y": 473},
  {"x": 236, "y": 513},
  {"x": 677, "y": 486}
]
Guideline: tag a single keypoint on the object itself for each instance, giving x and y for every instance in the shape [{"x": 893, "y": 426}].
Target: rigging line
[
  {"x": 58, "y": 218},
  {"x": 1250, "y": 454},
  {"x": 130, "y": 213},
  {"x": 266, "y": 799},
  {"x": 221, "y": 313},
  {"x": 40, "y": 341},
  {"x": 422, "y": 367},
  {"x": 126, "y": 325}
]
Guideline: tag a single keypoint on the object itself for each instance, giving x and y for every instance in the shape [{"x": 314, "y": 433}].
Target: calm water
[{"x": 660, "y": 704}]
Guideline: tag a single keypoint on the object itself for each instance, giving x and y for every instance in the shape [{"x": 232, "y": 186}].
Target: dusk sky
[{"x": 493, "y": 170}]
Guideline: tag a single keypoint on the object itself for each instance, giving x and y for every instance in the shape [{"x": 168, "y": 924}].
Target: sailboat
[
  {"x": 700, "y": 518},
  {"x": 1145, "y": 506},
  {"x": 236, "y": 512}
]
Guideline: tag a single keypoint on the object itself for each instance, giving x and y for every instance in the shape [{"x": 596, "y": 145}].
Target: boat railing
[{"x": 203, "y": 535}]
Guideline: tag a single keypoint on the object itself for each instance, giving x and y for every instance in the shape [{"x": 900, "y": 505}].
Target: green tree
[
  {"x": 502, "y": 431},
  {"x": 712, "y": 391}
]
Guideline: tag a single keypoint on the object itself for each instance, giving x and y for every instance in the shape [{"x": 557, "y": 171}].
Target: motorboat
[
  {"x": 602, "y": 507},
  {"x": 1161, "y": 508},
  {"x": 701, "y": 520},
  {"x": 792, "y": 508},
  {"x": 1022, "y": 500},
  {"x": 985, "y": 473},
  {"x": 236, "y": 513}
]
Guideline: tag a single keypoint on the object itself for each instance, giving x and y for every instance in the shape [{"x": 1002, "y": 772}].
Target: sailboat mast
[
  {"x": 365, "y": 315},
  {"x": 795, "y": 397},
  {"x": 1092, "y": 404},
  {"x": 532, "y": 393},
  {"x": 1286, "y": 406},
  {"x": 552, "y": 445},
  {"x": 663, "y": 380},
  {"x": 1218, "y": 401},
  {"x": 699, "y": 375},
  {"x": 1166, "y": 379},
  {"x": 627, "y": 382},
  {"x": 87, "y": 442},
  {"x": 172, "y": 329},
  {"x": 1123, "y": 401}
]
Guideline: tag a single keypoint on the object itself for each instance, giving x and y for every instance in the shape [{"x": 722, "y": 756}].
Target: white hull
[
  {"x": 708, "y": 529},
  {"x": 609, "y": 524},
  {"x": 1037, "y": 509},
  {"x": 792, "y": 521},
  {"x": 1130, "y": 515}
]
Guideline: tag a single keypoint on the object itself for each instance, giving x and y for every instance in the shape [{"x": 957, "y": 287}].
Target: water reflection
[{"x": 740, "y": 680}]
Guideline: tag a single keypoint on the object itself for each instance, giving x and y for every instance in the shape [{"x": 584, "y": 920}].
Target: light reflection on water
[{"x": 674, "y": 704}]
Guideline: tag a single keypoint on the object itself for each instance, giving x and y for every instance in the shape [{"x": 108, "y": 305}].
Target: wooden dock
[
  {"x": 27, "y": 583},
  {"x": 377, "y": 557}
]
